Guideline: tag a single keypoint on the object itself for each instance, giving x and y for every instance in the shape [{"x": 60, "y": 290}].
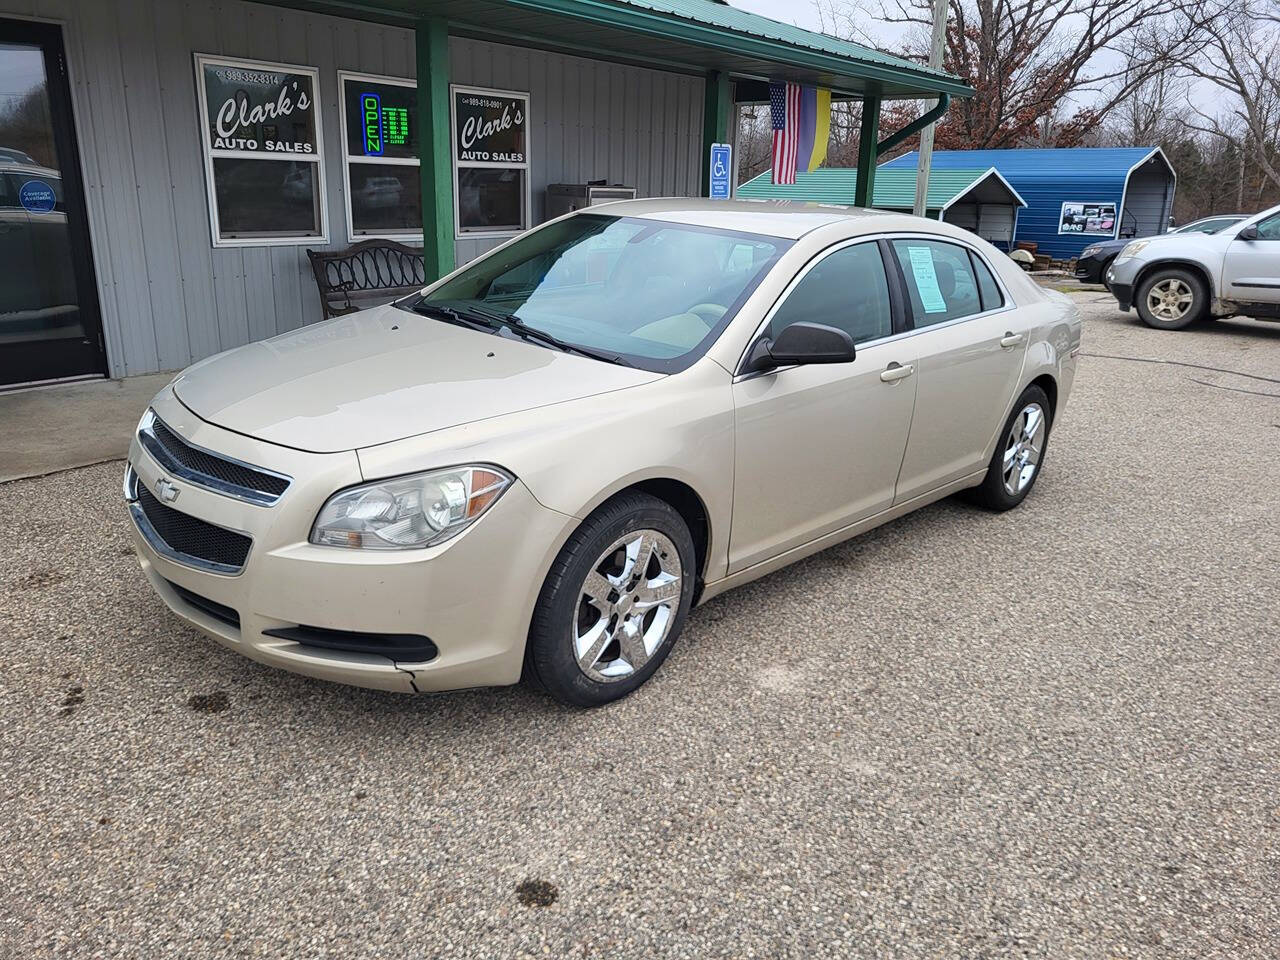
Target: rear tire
[
  {"x": 1171, "y": 299},
  {"x": 614, "y": 602},
  {"x": 1019, "y": 454}
]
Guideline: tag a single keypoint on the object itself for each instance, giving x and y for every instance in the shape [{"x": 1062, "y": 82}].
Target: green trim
[
  {"x": 716, "y": 111},
  {"x": 915, "y": 126},
  {"x": 708, "y": 35},
  {"x": 432, "y": 42},
  {"x": 865, "y": 188}
]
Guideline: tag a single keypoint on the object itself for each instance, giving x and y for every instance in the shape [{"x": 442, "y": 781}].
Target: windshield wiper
[
  {"x": 523, "y": 330},
  {"x": 451, "y": 315}
]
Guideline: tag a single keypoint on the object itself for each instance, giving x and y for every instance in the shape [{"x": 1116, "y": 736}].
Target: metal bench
[{"x": 366, "y": 274}]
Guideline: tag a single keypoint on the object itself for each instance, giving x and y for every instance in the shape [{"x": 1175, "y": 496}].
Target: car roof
[
  {"x": 29, "y": 170},
  {"x": 788, "y": 219}
]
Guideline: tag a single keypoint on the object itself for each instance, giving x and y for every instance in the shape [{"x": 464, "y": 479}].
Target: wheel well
[
  {"x": 689, "y": 505},
  {"x": 1050, "y": 388},
  {"x": 1188, "y": 265}
]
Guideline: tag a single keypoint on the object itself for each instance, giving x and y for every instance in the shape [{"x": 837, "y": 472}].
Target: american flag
[{"x": 784, "y": 111}]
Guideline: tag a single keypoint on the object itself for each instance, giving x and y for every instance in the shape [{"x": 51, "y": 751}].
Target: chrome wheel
[
  {"x": 627, "y": 605},
  {"x": 1170, "y": 300},
  {"x": 1023, "y": 447}
]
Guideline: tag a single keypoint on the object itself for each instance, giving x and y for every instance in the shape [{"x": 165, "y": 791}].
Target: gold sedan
[{"x": 537, "y": 465}]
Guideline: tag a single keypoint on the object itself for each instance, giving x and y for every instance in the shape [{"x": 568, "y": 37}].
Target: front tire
[
  {"x": 1015, "y": 464},
  {"x": 1171, "y": 299},
  {"x": 614, "y": 602}
]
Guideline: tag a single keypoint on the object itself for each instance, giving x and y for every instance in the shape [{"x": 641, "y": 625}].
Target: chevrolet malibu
[{"x": 536, "y": 466}]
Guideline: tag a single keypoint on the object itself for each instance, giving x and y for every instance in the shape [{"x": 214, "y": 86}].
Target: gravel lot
[{"x": 1051, "y": 733}]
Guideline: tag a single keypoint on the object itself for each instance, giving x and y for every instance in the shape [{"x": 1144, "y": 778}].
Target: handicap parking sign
[{"x": 721, "y": 170}]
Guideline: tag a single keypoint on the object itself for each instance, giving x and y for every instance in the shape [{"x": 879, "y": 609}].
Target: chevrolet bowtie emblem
[{"x": 166, "y": 490}]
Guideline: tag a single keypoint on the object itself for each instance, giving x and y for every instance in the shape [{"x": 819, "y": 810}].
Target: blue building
[{"x": 1076, "y": 196}]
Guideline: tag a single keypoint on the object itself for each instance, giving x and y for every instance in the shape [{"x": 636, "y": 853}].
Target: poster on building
[
  {"x": 253, "y": 107},
  {"x": 490, "y": 127},
  {"x": 1090, "y": 219}
]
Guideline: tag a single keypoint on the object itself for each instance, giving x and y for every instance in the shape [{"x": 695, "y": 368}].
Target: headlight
[
  {"x": 1089, "y": 251},
  {"x": 419, "y": 510},
  {"x": 1132, "y": 249}
]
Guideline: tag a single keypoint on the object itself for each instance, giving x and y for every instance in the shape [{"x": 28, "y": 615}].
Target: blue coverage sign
[
  {"x": 721, "y": 170},
  {"x": 36, "y": 196}
]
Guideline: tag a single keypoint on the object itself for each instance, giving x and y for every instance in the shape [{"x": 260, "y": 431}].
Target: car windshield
[
  {"x": 1209, "y": 226},
  {"x": 650, "y": 293}
]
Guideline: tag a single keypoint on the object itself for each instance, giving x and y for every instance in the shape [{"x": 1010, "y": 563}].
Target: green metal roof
[
  {"x": 895, "y": 189},
  {"x": 691, "y": 36},
  {"x": 720, "y": 14}
]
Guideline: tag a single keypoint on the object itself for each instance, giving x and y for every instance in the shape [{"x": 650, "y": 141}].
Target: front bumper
[
  {"x": 1120, "y": 279},
  {"x": 471, "y": 597},
  {"x": 1090, "y": 269}
]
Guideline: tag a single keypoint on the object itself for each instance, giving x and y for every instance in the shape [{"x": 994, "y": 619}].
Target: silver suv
[{"x": 1176, "y": 279}]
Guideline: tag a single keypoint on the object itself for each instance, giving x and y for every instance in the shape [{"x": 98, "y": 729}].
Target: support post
[
  {"x": 924, "y": 159},
  {"x": 867, "y": 153},
  {"x": 435, "y": 146},
  {"x": 716, "y": 113}
]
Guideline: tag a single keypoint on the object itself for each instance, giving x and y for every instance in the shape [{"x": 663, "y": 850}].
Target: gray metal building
[{"x": 138, "y": 237}]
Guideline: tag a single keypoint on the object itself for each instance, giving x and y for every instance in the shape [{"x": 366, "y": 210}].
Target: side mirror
[
  {"x": 802, "y": 343},
  {"x": 1248, "y": 233}
]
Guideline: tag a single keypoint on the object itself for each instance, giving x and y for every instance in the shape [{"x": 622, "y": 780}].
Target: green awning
[{"x": 694, "y": 36}]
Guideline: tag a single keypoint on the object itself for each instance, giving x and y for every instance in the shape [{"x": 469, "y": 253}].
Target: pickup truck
[{"x": 1175, "y": 280}]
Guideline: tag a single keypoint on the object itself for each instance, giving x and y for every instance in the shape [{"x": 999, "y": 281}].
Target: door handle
[
  {"x": 896, "y": 371},
  {"x": 1011, "y": 339}
]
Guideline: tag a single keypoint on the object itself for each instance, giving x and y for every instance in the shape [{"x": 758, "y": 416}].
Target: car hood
[{"x": 381, "y": 375}]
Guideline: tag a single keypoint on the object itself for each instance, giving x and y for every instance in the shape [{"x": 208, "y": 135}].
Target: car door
[
  {"x": 818, "y": 446},
  {"x": 1251, "y": 268},
  {"x": 969, "y": 346}
]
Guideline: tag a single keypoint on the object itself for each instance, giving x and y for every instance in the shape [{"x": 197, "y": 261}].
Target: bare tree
[
  {"x": 1241, "y": 59},
  {"x": 1151, "y": 113},
  {"x": 1029, "y": 60}
]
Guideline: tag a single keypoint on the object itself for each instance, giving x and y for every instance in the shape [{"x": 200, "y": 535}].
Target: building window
[
  {"x": 261, "y": 132},
  {"x": 380, "y": 157},
  {"x": 490, "y": 162}
]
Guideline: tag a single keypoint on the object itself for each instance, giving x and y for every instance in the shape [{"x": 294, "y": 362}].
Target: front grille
[
  {"x": 209, "y": 469},
  {"x": 214, "y": 609},
  {"x": 191, "y": 537}
]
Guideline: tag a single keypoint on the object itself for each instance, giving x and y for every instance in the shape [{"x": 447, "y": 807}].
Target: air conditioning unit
[{"x": 564, "y": 198}]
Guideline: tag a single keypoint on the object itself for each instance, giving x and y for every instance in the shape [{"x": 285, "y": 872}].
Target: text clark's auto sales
[{"x": 259, "y": 133}]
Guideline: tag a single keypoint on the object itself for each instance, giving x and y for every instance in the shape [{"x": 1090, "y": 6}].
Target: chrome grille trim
[
  {"x": 260, "y": 487},
  {"x": 162, "y": 547}
]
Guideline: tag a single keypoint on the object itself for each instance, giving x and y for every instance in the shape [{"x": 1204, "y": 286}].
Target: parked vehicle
[
  {"x": 1091, "y": 265},
  {"x": 538, "y": 464},
  {"x": 1178, "y": 279}
]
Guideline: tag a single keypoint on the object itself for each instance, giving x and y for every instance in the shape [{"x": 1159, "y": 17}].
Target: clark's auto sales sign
[
  {"x": 259, "y": 108},
  {"x": 490, "y": 127}
]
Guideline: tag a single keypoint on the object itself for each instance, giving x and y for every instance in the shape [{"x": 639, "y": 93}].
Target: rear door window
[
  {"x": 988, "y": 289},
  {"x": 940, "y": 280}
]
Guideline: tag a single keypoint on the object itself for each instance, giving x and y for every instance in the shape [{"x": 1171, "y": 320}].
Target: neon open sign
[
  {"x": 383, "y": 126},
  {"x": 371, "y": 110}
]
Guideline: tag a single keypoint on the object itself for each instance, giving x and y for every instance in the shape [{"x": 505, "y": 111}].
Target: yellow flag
[{"x": 822, "y": 132}]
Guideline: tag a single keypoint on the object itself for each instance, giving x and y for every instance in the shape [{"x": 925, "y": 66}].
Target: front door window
[{"x": 48, "y": 311}]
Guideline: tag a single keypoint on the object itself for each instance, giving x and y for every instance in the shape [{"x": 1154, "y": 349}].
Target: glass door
[{"x": 50, "y": 327}]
